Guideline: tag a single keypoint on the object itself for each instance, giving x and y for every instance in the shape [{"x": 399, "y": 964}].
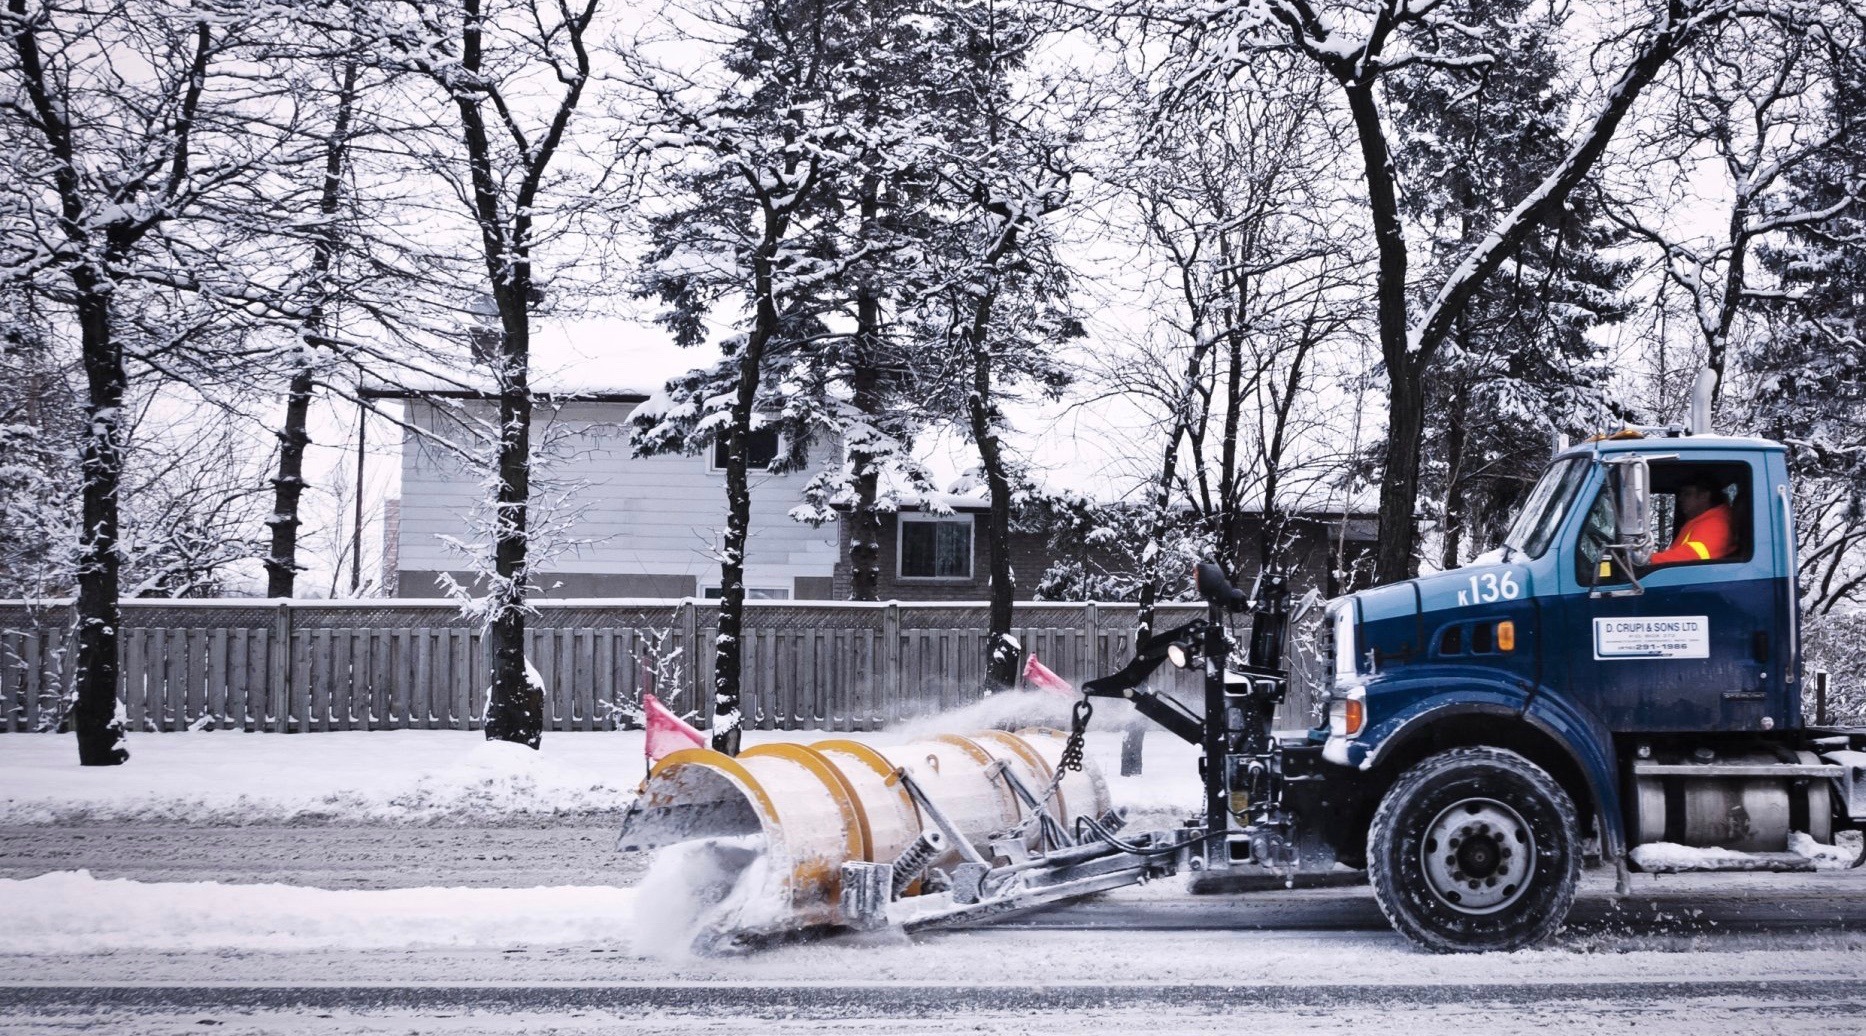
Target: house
[
  {"x": 605, "y": 523},
  {"x": 942, "y": 552},
  {"x": 610, "y": 524}
]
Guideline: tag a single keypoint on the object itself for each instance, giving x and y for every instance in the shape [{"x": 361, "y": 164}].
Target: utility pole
[{"x": 356, "y": 528}]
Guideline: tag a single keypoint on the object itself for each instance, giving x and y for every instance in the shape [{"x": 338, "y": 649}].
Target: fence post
[
  {"x": 279, "y": 694},
  {"x": 1091, "y": 629},
  {"x": 687, "y": 616},
  {"x": 890, "y": 663},
  {"x": 1820, "y": 697}
]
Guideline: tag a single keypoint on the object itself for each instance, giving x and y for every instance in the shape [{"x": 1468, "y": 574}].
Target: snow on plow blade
[{"x": 819, "y": 806}]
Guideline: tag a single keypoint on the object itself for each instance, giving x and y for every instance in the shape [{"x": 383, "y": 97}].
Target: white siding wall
[{"x": 658, "y": 515}]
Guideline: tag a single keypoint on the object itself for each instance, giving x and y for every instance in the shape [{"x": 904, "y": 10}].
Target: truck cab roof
[{"x": 1662, "y": 440}]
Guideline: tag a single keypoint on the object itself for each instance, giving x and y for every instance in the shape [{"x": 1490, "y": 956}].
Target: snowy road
[
  {"x": 369, "y": 857},
  {"x": 409, "y": 906},
  {"x": 1685, "y": 955},
  {"x": 1746, "y": 1007},
  {"x": 993, "y": 982},
  {"x": 326, "y": 856}
]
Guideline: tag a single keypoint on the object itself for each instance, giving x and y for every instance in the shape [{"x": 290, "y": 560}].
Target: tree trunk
[
  {"x": 288, "y": 486},
  {"x": 1231, "y": 480},
  {"x": 1399, "y": 488},
  {"x": 865, "y": 520},
  {"x": 282, "y": 560},
  {"x": 728, "y": 721},
  {"x": 727, "y": 718},
  {"x": 1001, "y": 652},
  {"x": 1454, "y": 481},
  {"x": 515, "y": 708},
  {"x": 99, "y": 564}
]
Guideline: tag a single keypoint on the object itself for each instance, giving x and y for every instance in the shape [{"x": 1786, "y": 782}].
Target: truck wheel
[{"x": 1474, "y": 849}]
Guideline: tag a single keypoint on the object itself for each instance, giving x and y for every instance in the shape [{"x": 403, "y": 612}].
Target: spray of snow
[
  {"x": 697, "y": 894},
  {"x": 1012, "y": 710}
]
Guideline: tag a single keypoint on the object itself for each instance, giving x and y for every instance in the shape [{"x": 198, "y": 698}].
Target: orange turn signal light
[
  {"x": 1506, "y": 636},
  {"x": 1354, "y": 716}
]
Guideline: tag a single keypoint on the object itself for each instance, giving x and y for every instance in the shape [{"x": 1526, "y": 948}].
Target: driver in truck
[{"x": 1706, "y": 524}]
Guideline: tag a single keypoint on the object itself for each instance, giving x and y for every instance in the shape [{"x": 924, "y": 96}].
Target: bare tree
[
  {"x": 193, "y": 505},
  {"x": 1254, "y": 272},
  {"x": 123, "y": 121},
  {"x": 324, "y": 294},
  {"x": 1358, "y": 46},
  {"x": 41, "y": 422},
  {"x": 1803, "y": 366},
  {"x": 1748, "y": 104},
  {"x": 515, "y": 73}
]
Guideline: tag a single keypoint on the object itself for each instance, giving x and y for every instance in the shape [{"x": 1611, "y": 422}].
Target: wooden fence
[{"x": 355, "y": 665}]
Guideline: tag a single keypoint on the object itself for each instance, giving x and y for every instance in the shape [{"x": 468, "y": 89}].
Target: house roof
[{"x": 600, "y": 359}]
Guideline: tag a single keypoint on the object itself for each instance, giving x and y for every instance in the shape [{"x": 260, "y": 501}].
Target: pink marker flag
[
  {"x": 666, "y": 731},
  {"x": 1036, "y": 674}
]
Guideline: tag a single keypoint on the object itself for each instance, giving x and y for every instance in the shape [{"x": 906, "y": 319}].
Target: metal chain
[
  {"x": 1071, "y": 760},
  {"x": 1078, "y": 728}
]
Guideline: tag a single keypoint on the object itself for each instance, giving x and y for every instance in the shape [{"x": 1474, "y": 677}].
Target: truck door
[{"x": 1699, "y": 649}]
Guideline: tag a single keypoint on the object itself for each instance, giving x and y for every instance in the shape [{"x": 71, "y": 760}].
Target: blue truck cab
[{"x": 1565, "y": 697}]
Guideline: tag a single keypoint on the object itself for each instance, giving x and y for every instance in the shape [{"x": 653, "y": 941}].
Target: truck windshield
[{"x": 1535, "y": 527}]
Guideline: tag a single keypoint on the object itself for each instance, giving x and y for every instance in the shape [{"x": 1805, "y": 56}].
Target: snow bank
[
  {"x": 424, "y": 777},
  {"x": 73, "y": 912},
  {"x": 394, "y": 777}
]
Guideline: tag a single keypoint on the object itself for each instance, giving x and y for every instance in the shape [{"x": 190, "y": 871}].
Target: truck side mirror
[{"x": 1632, "y": 509}]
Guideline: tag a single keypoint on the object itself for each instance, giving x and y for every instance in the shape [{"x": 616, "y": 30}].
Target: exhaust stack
[{"x": 1698, "y": 421}]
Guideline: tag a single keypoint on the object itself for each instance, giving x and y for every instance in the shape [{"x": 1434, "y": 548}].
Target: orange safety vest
[{"x": 1710, "y": 536}]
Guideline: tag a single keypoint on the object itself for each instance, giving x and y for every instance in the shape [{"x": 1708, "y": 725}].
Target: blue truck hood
[
  {"x": 1468, "y": 587},
  {"x": 1395, "y": 620}
]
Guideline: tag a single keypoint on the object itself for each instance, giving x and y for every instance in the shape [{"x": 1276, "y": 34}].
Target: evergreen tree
[
  {"x": 865, "y": 380},
  {"x": 744, "y": 191}
]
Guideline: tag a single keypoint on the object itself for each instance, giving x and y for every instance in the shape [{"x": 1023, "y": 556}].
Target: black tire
[{"x": 1450, "y": 836}]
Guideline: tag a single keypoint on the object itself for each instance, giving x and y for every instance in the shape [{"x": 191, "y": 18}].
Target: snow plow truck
[{"x": 1487, "y": 731}]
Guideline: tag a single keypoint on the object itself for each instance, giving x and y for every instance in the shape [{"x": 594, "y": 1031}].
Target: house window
[
  {"x": 935, "y": 547},
  {"x": 752, "y": 593},
  {"x": 760, "y": 450}
]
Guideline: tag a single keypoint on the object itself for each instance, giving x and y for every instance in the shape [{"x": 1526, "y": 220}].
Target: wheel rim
[{"x": 1478, "y": 855}]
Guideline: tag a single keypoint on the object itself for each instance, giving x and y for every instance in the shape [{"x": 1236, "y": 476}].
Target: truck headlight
[
  {"x": 1348, "y": 713},
  {"x": 1341, "y": 634}
]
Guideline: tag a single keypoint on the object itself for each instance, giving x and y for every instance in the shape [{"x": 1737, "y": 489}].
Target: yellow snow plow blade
[{"x": 819, "y": 806}]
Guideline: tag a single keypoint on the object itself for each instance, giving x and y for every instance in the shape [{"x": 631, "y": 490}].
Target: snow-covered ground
[
  {"x": 418, "y": 776},
  {"x": 383, "y": 777},
  {"x": 389, "y": 938}
]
